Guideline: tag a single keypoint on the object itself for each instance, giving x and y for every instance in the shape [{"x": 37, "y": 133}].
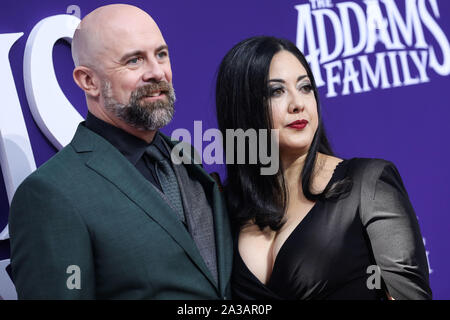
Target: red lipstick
[{"x": 298, "y": 124}]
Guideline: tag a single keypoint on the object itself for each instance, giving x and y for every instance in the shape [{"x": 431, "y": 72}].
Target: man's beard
[{"x": 141, "y": 114}]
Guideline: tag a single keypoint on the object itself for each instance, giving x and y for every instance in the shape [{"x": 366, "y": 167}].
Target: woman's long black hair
[{"x": 242, "y": 102}]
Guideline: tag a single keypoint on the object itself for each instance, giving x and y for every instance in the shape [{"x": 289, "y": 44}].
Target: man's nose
[{"x": 154, "y": 72}]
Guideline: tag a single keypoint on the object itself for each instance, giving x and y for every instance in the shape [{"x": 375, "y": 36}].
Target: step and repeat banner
[{"x": 382, "y": 67}]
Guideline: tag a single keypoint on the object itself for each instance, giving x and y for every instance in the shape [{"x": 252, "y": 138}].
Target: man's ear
[{"x": 86, "y": 79}]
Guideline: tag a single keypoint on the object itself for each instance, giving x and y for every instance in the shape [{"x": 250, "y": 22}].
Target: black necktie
[{"x": 167, "y": 179}]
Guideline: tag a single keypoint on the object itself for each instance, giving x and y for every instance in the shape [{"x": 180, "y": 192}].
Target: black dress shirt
[{"x": 132, "y": 147}]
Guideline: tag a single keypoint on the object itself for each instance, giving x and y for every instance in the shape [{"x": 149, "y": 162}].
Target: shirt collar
[{"x": 129, "y": 145}]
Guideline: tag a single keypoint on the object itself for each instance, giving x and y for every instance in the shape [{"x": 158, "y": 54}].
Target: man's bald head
[
  {"x": 98, "y": 31},
  {"x": 122, "y": 64}
]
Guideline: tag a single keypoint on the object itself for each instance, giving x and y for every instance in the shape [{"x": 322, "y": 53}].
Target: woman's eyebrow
[{"x": 282, "y": 81}]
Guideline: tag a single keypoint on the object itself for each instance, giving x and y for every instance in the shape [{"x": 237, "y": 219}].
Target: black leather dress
[{"x": 330, "y": 253}]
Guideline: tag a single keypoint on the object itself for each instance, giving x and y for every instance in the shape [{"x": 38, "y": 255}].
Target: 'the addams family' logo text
[{"x": 358, "y": 46}]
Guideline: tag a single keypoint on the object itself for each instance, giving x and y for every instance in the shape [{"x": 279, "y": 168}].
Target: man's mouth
[
  {"x": 153, "y": 92},
  {"x": 154, "y": 95}
]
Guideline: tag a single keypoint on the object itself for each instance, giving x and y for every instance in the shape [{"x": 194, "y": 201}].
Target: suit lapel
[
  {"x": 114, "y": 167},
  {"x": 221, "y": 224}
]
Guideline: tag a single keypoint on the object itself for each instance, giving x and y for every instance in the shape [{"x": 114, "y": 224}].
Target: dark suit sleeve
[
  {"x": 394, "y": 234},
  {"x": 47, "y": 236}
]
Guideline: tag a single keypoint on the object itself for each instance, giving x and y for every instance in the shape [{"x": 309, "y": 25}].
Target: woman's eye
[
  {"x": 276, "y": 92},
  {"x": 306, "y": 88}
]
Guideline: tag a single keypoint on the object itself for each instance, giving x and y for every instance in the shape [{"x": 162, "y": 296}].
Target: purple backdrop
[{"x": 404, "y": 124}]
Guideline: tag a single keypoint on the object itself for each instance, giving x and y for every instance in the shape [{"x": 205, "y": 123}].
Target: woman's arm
[{"x": 393, "y": 230}]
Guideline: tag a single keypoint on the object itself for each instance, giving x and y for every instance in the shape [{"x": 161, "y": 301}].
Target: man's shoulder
[
  {"x": 70, "y": 158},
  {"x": 54, "y": 169}
]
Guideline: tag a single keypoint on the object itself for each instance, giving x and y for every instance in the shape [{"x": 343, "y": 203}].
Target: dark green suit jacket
[{"x": 89, "y": 207}]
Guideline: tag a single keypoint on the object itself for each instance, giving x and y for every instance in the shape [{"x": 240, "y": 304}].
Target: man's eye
[
  {"x": 162, "y": 54},
  {"x": 134, "y": 60}
]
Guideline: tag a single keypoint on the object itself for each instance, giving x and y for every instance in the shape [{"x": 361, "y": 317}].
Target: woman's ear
[{"x": 86, "y": 79}]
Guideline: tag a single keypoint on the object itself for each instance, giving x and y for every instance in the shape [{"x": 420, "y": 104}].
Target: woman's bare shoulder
[{"x": 324, "y": 170}]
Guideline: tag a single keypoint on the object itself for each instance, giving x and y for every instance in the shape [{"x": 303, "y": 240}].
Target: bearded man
[{"x": 110, "y": 216}]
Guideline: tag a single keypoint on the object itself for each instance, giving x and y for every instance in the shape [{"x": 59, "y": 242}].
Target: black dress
[{"x": 328, "y": 254}]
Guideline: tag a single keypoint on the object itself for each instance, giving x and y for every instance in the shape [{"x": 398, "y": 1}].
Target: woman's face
[{"x": 294, "y": 107}]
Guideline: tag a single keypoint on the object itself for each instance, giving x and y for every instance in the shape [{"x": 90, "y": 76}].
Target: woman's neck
[{"x": 292, "y": 167}]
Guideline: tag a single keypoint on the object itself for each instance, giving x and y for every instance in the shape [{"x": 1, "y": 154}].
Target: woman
[{"x": 322, "y": 227}]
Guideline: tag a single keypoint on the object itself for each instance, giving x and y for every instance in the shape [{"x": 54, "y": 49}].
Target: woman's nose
[{"x": 296, "y": 104}]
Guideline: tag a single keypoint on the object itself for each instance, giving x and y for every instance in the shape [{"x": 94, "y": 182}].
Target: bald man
[{"x": 110, "y": 216}]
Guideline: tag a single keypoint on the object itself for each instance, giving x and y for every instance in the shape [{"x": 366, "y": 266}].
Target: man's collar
[{"x": 129, "y": 145}]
